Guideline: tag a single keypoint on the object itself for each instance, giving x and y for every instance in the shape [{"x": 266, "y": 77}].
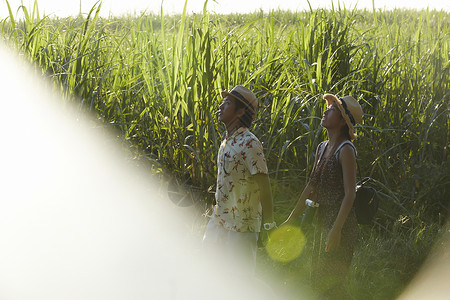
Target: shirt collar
[{"x": 238, "y": 131}]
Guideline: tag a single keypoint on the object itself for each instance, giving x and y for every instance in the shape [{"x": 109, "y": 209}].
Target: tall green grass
[{"x": 157, "y": 80}]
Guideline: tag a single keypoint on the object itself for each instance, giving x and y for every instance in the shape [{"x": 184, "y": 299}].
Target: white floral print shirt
[{"x": 238, "y": 206}]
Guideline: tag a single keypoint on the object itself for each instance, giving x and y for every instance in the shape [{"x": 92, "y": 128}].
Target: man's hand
[{"x": 264, "y": 237}]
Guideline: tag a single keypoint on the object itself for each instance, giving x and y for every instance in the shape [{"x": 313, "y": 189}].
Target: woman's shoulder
[
  {"x": 346, "y": 145},
  {"x": 320, "y": 148},
  {"x": 348, "y": 149},
  {"x": 322, "y": 145}
]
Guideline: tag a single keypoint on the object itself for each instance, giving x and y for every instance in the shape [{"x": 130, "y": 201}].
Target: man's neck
[{"x": 232, "y": 128}]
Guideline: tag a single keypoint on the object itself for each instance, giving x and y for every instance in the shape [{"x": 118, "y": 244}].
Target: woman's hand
[{"x": 333, "y": 240}]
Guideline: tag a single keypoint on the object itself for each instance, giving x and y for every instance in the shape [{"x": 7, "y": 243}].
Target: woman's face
[{"x": 332, "y": 117}]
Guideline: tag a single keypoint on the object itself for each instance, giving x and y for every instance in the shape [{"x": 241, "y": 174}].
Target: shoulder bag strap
[{"x": 356, "y": 158}]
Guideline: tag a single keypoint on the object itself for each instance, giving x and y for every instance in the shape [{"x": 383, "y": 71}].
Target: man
[{"x": 243, "y": 194}]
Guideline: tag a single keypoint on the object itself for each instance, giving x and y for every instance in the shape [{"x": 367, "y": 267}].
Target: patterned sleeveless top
[{"x": 328, "y": 183}]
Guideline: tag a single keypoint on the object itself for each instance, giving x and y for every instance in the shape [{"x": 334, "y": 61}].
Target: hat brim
[
  {"x": 225, "y": 93},
  {"x": 330, "y": 98}
]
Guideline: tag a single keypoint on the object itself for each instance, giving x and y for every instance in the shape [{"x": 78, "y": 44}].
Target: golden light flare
[{"x": 286, "y": 243}]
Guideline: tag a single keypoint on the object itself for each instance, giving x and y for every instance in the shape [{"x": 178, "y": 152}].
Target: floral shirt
[{"x": 238, "y": 206}]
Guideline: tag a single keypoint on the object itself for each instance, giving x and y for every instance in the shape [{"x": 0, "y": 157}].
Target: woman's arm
[
  {"x": 298, "y": 209},
  {"x": 348, "y": 162}
]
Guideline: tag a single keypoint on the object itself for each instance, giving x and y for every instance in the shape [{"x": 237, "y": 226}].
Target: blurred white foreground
[{"x": 78, "y": 222}]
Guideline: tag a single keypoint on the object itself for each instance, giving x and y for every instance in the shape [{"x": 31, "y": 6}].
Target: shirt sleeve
[{"x": 254, "y": 157}]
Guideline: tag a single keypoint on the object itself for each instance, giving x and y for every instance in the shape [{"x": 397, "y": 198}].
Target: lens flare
[{"x": 286, "y": 243}]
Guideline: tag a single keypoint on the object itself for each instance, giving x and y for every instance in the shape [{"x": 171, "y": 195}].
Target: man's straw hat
[{"x": 244, "y": 95}]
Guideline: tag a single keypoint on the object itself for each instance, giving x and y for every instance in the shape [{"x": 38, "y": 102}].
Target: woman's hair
[
  {"x": 246, "y": 119},
  {"x": 346, "y": 132}
]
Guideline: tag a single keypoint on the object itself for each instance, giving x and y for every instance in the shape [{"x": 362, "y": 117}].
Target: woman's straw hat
[
  {"x": 244, "y": 95},
  {"x": 350, "y": 110}
]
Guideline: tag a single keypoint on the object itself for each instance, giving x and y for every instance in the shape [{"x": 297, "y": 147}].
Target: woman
[{"x": 332, "y": 186}]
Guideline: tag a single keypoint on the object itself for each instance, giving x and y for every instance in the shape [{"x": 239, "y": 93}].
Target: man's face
[{"x": 227, "y": 111}]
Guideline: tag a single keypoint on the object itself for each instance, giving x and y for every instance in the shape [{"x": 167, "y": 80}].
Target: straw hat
[
  {"x": 350, "y": 110},
  {"x": 244, "y": 95}
]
